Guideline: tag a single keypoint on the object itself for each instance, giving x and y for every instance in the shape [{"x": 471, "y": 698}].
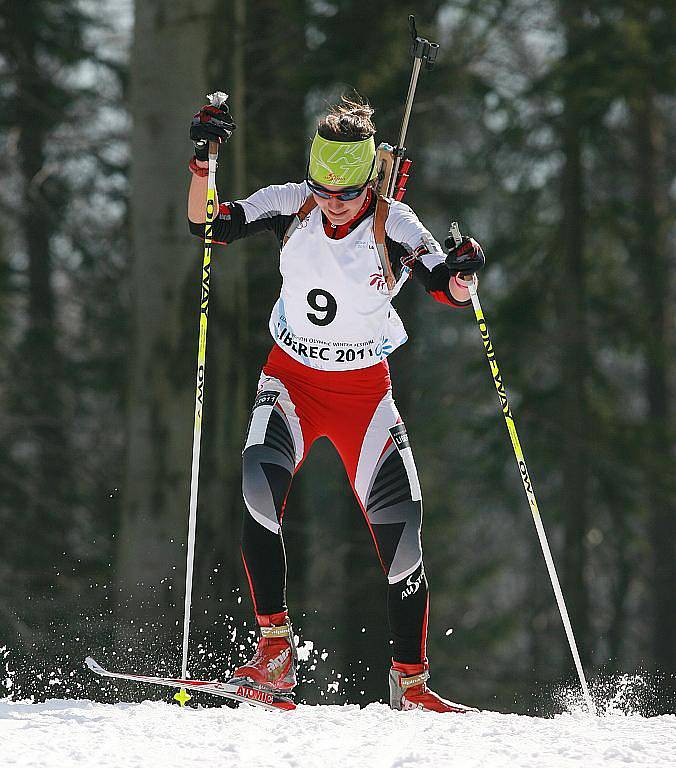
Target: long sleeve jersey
[{"x": 334, "y": 311}]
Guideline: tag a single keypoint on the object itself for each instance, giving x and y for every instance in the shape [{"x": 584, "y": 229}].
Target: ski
[{"x": 234, "y": 691}]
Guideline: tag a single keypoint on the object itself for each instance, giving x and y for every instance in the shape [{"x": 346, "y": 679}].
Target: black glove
[
  {"x": 210, "y": 124},
  {"x": 465, "y": 258}
]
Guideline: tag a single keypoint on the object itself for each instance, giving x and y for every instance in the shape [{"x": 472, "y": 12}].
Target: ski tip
[
  {"x": 285, "y": 705},
  {"x": 93, "y": 665}
]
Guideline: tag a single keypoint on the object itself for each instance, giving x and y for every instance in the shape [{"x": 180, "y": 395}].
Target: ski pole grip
[
  {"x": 453, "y": 240},
  {"x": 454, "y": 236},
  {"x": 216, "y": 99}
]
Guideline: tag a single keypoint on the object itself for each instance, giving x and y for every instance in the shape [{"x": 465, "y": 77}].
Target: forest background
[{"x": 548, "y": 130}]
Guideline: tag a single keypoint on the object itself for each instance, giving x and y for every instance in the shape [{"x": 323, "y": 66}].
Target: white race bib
[{"x": 334, "y": 312}]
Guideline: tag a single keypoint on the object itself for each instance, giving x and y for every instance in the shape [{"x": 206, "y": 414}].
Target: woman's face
[{"x": 340, "y": 211}]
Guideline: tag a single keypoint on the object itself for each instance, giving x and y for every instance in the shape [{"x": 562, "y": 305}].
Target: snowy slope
[{"x": 60, "y": 734}]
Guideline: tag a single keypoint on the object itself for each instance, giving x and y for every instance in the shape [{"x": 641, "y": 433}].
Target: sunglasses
[{"x": 345, "y": 195}]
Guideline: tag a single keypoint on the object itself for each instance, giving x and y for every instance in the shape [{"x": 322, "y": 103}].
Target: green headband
[{"x": 342, "y": 163}]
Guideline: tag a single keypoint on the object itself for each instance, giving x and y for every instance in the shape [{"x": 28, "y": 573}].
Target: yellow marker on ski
[{"x": 182, "y": 697}]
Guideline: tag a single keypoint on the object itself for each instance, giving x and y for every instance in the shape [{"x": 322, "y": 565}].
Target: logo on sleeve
[
  {"x": 400, "y": 437},
  {"x": 430, "y": 243},
  {"x": 268, "y": 397}
]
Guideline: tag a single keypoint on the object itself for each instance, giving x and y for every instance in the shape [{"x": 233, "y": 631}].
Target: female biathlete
[{"x": 327, "y": 375}]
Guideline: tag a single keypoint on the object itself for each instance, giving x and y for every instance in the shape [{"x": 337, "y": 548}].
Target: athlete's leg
[
  {"x": 385, "y": 480},
  {"x": 273, "y": 450},
  {"x": 383, "y": 475}
]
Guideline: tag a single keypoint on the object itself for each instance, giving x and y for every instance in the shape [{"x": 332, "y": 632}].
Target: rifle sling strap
[{"x": 379, "y": 219}]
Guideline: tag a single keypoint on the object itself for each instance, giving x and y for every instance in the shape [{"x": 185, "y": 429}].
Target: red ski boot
[
  {"x": 273, "y": 666},
  {"x": 408, "y": 690}
]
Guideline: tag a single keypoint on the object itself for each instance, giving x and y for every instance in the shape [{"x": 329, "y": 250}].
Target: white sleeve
[
  {"x": 275, "y": 200},
  {"x": 403, "y": 226}
]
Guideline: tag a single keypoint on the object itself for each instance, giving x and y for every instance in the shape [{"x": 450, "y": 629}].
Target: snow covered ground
[{"x": 61, "y": 734}]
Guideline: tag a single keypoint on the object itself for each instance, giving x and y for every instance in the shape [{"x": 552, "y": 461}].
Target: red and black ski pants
[{"x": 294, "y": 406}]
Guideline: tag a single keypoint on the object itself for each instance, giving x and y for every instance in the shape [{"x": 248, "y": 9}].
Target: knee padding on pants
[
  {"x": 267, "y": 470},
  {"x": 395, "y": 517}
]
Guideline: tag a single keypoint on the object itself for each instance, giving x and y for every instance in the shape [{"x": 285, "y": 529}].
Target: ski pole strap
[
  {"x": 408, "y": 682},
  {"x": 284, "y": 630},
  {"x": 305, "y": 210}
]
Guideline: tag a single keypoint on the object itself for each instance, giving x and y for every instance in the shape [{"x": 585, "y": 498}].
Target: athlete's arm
[
  {"x": 212, "y": 123},
  {"x": 459, "y": 291},
  {"x": 197, "y": 195},
  {"x": 411, "y": 243},
  {"x": 270, "y": 209}
]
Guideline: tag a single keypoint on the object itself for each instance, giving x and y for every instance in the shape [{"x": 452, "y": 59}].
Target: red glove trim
[
  {"x": 442, "y": 298},
  {"x": 196, "y": 169}
]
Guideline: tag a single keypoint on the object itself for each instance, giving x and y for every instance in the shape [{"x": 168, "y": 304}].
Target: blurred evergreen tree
[
  {"x": 62, "y": 208},
  {"x": 38, "y": 38},
  {"x": 549, "y": 172},
  {"x": 165, "y": 283},
  {"x": 647, "y": 33}
]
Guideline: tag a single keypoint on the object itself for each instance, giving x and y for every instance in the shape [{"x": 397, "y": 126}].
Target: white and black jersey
[{"x": 334, "y": 311}]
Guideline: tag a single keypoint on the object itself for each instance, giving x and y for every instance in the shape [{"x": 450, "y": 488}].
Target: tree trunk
[
  {"x": 230, "y": 380},
  {"x": 40, "y": 367},
  {"x": 651, "y": 207},
  {"x": 168, "y": 37},
  {"x": 574, "y": 339}
]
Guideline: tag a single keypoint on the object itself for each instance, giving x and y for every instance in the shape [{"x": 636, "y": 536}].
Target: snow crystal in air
[
  {"x": 6, "y": 675},
  {"x": 305, "y": 650},
  {"x": 616, "y": 695}
]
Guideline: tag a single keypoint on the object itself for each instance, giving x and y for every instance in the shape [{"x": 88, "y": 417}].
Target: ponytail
[{"x": 348, "y": 121}]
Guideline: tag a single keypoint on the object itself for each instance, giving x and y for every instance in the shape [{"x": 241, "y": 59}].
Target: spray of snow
[
  {"x": 617, "y": 695},
  {"x": 6, "y": 674},
  {"x": 305, "y": 650}
]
